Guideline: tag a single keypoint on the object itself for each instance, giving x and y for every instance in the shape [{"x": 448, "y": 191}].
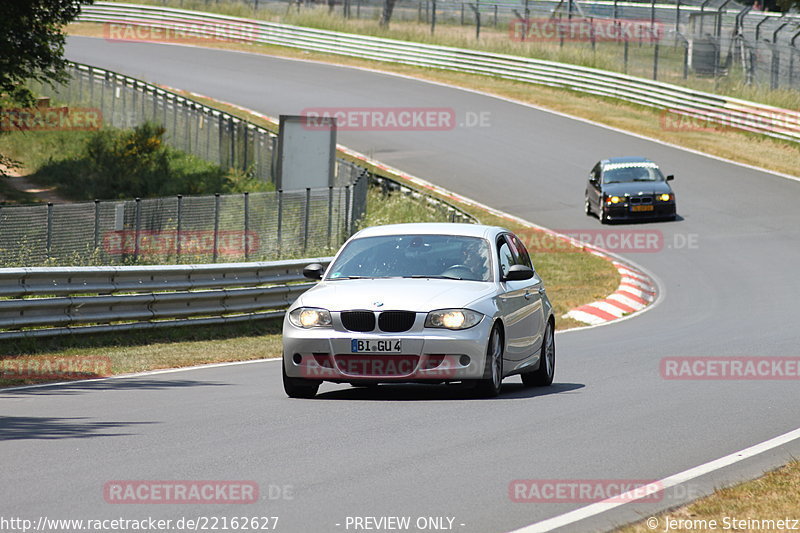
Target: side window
[
  {"x": 522, "y": 256},
  {"x": 595, "y": 173},
  {"x": 506, "y": 258}
]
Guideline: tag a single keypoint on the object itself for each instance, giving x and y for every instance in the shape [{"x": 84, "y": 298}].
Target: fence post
[
  {"x": 433, "y": 16},
  {"x": 655, "y": 61},
  {"x": 49, "y": 242},
  {"x": 306, "y": 219},
  {"x": 246, "y": 226},
  {"x": 776, "y": 61},
  {"x": 330, "y": 213},
  {"x": 178, "y": 232},
  {"x": 96, "y": 224},
  {"x": 348, "y": 215},
  {"x": 280, "y": 220},
  {"x": 625, "y": 57},
  {"x": 137, "y": 229},
  {"x": 216, "y": 226}
]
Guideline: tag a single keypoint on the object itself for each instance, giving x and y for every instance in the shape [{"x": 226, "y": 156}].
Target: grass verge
[{"x": 773, "y": 496}]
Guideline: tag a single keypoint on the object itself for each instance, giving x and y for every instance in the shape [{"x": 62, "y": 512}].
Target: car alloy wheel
[
  {"x": 587, "y": 208},
  {"x": 490, "y": 386},
  {"x": 543, "y": 376}
]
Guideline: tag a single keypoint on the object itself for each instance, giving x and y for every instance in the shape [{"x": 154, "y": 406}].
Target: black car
[{"x": 629, "y": 188}]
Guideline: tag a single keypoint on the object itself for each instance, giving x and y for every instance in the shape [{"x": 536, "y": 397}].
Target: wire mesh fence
[{"x": 192, "y": 229}]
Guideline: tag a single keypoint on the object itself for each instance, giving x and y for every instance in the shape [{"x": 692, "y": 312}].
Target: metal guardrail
[
  {"x": 731, "y": 112},
  {"x": 63, "y": 301}
]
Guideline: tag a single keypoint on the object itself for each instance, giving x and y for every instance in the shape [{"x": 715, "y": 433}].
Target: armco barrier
[
  {"x": 731, "y": 112},
  {"x": 45, "y": 301}
]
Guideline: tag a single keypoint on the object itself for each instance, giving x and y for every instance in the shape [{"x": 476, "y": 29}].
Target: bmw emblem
[{"x": 377, "y": 304}]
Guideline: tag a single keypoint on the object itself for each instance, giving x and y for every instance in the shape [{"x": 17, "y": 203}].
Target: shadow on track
[
  {"x": 412, "y": 392},
  {"x": 82, "y": 387},
  {"x": 49, "y": 428}
]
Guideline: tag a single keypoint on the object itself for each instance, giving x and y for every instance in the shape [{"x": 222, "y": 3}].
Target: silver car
[{"x": 428, "y": 303}]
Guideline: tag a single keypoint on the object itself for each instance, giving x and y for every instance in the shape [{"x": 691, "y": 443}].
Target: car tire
[
  {"x": 490, "y": 386},
  {"x": 602, "y": 215},
  {"x": 298, "y": 387},
  {"x": 587, "y": 208},
  {"x": 543, "y": 376}
]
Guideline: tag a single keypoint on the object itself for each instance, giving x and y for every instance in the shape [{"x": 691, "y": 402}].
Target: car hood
[
  {"x": 635, "y": 188},
  {"x": 420, "y": 295}
]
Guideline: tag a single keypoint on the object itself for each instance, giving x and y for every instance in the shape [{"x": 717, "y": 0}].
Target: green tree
[{"x": 32, "y": 47}]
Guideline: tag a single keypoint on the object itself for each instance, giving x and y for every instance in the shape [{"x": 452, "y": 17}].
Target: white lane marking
[
  {"x": 671, "y": 481},
  {"x": 139, "y": 374}
]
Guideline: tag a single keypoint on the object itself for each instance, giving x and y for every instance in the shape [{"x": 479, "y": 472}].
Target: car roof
[
  {"x": 432, "y": 228},
  {"x": 617, "y": 160}
]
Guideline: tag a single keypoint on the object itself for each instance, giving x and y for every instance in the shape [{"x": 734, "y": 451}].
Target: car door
[{"x": 520, "y": 301}]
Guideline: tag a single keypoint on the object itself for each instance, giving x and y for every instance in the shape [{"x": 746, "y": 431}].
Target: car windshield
[
  {"x": 632, "y": 172},
  {"x": 414, "y": 256}
]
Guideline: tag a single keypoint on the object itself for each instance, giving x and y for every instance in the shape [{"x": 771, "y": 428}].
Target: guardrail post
[
  {"x": 138, "y": 228},
  {"x": 280, "y": 221},
  {"x": 216, "y": 226},
  {"x": 306, "y": 219},
  {"x": 246, "y": 226},
  {"x": 49, "y": 241},
  {"x": 96, "y": 224},
  {"x": 178, "y": 230}
]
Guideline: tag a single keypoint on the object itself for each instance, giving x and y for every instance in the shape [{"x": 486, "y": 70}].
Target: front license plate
[
  {"x": 375, "y": 346},
  {"x": 641, "y": 208}
]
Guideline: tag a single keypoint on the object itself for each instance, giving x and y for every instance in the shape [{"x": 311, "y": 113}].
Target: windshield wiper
[
  {"x": 423, "y": 276},
  {"x": 352, "y": 277}
]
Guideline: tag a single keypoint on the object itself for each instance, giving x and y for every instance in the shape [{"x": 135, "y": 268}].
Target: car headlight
[
  {"x": 665, "y": 197},
  {"x": 615, "y": 199},
  {"x": 452, "y": 319},
  {"x": 310, "y": 317}
]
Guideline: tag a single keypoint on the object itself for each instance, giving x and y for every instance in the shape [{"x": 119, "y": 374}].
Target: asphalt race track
[{"x": 421, "y": 451}]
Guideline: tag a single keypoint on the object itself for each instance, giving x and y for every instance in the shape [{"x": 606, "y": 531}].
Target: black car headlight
[
  {"x": 453, "y": 319},
  {"x": 310, "y": 317}
]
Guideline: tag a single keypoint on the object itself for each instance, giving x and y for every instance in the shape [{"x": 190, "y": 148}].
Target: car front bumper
[
  {"x": 427, "y": 354},
  {"x": 623, "y": 212}
]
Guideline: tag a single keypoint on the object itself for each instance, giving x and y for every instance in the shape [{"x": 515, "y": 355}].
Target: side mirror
[
  {"x": 313, "y": 271},
  {"x": 670, "y": 177},
  {"x": 518, "y": 273}
]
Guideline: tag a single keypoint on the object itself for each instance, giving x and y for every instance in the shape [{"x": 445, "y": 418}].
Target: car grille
[
  {"x": 358, "y": 320},
  {"x": 376, "y": 365},
  {"x": 641, "y": 199},
  {"x": 388, "y": 321},
  {"x": 396, "y": 321}
]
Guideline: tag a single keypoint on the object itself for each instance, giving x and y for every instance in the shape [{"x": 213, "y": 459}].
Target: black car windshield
[
  {"x": 414, "y": 256},
  {"x": 632, "y": 172}
]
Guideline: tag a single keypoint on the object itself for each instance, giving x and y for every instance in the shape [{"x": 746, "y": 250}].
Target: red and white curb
[
  {"x": 636, "y": 289},
  {"x": 635, "y": 292}
]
